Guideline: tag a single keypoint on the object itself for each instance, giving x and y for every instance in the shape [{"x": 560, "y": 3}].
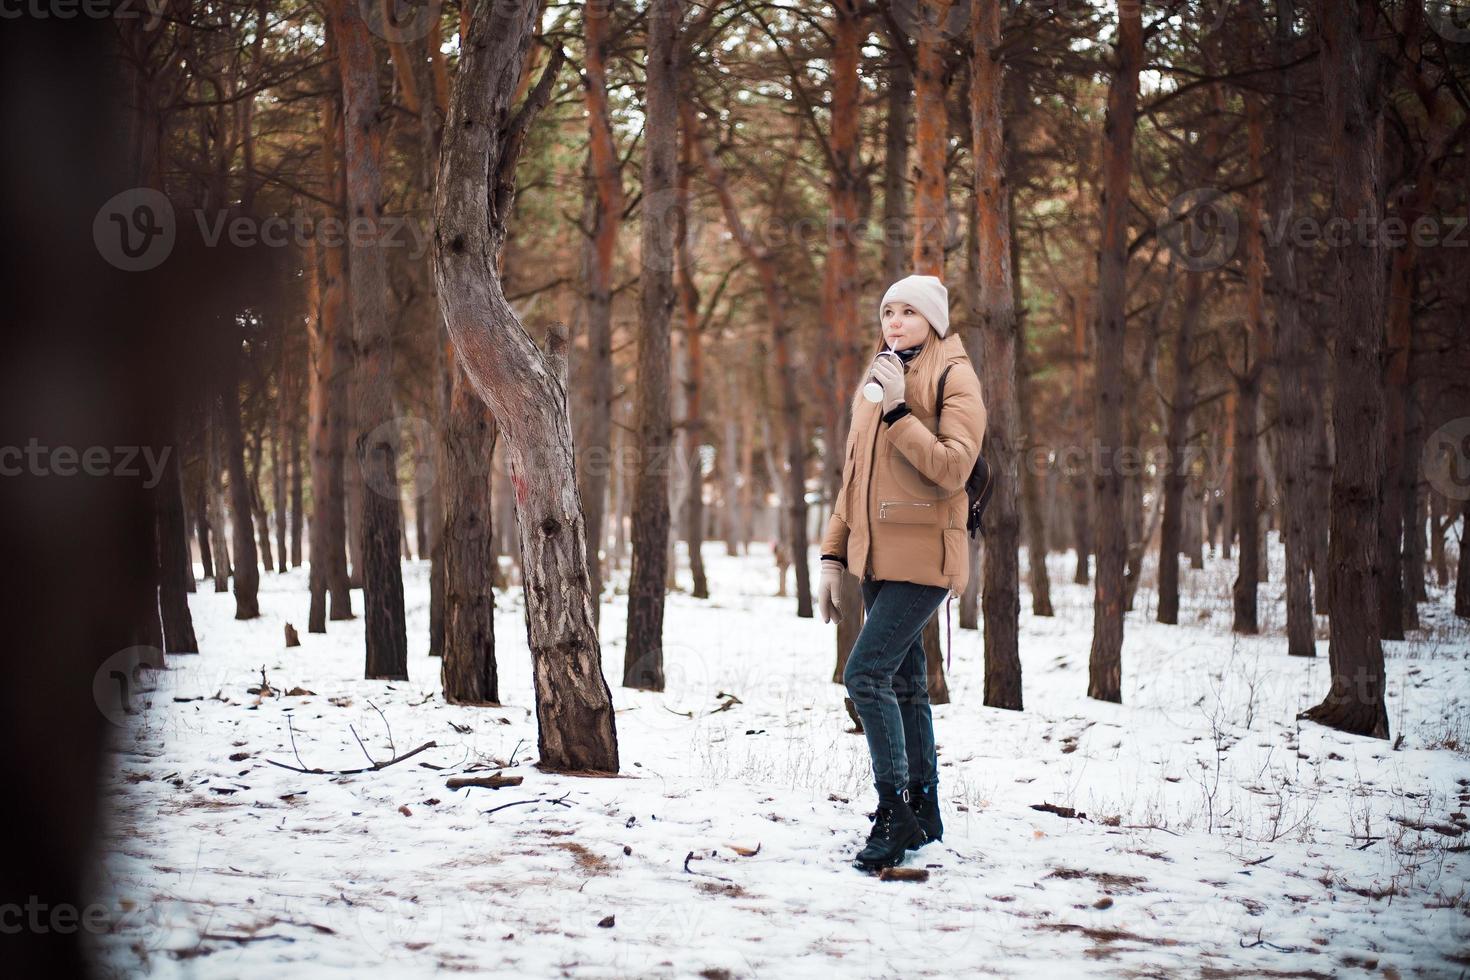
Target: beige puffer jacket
[{"x": 900, "y": 515}]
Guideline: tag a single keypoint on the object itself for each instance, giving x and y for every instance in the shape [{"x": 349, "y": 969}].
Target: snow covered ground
[{"x": 1221, "y": 836}]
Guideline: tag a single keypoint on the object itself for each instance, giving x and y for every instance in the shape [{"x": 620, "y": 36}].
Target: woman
[{"x": 899, "y": 523}]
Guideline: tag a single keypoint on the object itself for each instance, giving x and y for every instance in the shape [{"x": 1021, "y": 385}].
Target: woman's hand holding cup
[{"x": 887, "y": 373}]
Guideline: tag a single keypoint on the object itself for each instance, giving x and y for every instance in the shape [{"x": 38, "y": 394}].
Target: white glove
[
  {"x": 828, "y": 589},
  {"x": 888, "y": 372}
]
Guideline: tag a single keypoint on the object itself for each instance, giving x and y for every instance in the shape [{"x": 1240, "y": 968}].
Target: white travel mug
[{"x": 873, "y": 391}]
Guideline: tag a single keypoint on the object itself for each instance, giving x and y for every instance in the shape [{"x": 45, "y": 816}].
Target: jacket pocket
[
  {"x": 908, "y": 512},
  {"x": 955, "y": 552}
]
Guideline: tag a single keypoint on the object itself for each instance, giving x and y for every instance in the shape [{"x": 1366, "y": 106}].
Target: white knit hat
[{"x": 925, "y": 294}]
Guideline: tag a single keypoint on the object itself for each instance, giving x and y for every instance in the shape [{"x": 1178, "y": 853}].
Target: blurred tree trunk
[
  {"x": 1350, "y": 81},
  {"x": 1255, "y": 354},
  {"x": 330, "y": 342},
  {"x": 766, "y": 265},
  {"x": 1106, "y": 663},
  {"x": 603, "y": 215},
  {"x": 227, "y": 409},
  {"x": 691, "y": 421},
  {"x": 175, "y": 569},
  {"x": 1082, "y": 502},
  {"x": 1293, "y": 354},
  {"x": 374, "y": 426}
]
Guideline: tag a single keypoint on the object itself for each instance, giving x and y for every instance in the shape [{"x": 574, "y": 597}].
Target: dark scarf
[{"x": 908, "y": 355}]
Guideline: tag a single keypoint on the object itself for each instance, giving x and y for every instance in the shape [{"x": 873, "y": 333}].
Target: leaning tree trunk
[
  {"x": 527, "y": 396},
  {"x": 643, "y": 657},
  {"x": 995, "y": 306},
  {"x": 468, "y": 550},
  {"x": 1355, "y": 700},
  {"x": 376, "y": 434},
  {"x": 1105, "y": 668}
]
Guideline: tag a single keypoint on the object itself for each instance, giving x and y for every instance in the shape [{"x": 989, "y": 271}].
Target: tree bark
[
  {"x": 1294, "y": 351},
  {"x": 1105, "y": 667},
  {"x": 246, "y": 571},
  {"x": 996, "y": 343},
  {"x": 175, "y": 568},
  {"x": 643, "y": 658},
  {"x": 1180, "y": 407},
  {"x": 1355, "y": 700},
  {"x": 375, "y": 431},
  {"x": 475, "y": 192},
  {"x": 605, "y": 203},
  {"x": 931, "y": 141},
  {"x": 469, "y": 672}
]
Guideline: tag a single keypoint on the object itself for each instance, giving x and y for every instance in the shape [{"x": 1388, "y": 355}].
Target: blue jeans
[{"x": 886, "y": 680}]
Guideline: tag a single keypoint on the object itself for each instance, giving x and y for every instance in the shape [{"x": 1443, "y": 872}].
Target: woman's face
[{"x": 903, "y": 326}]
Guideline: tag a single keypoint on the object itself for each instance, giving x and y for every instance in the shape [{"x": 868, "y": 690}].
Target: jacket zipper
[
  {"x": 883, "y": 506},
  {"x": 868, "y": 495}
]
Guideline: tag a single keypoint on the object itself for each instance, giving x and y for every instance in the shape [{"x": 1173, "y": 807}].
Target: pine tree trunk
[
  {"x": 1293, "y": 353},
  {"x": 994, "y": 349},
  {"x": 214, "y": 489},
  {"x": 691, "y": 430},
  {"x": 285, "y": 406},
  {"x": 1033, "y": 509},
  {"x": 931, "y": 141},
  {"x": 246, "y": 571},
  {"x": 1106, "y": 664},
  {"x": 1081, "y": 490},
  {"x": 524, "y": 391},
  {"x": 1181, "y": 405},
  {"x": 603, "y": 212},
  {"x": 298, "y": 516},
  {"x": 1355, "y": 700},
  {"x": 374, "y": 430},
  {"x": 469, "y": 670},
  {"x": 643, "y": 663},
  {"x": 175, "y": 569},
  {"x": 257, "y": 504}
]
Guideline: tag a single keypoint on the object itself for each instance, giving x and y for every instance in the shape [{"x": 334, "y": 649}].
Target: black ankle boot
[
  {"x": 926, "y": 811},
  {"x": 895, "y": 830}
]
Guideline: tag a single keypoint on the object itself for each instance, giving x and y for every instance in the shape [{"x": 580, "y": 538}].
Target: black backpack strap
[{"x": 939, "y": 397}]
